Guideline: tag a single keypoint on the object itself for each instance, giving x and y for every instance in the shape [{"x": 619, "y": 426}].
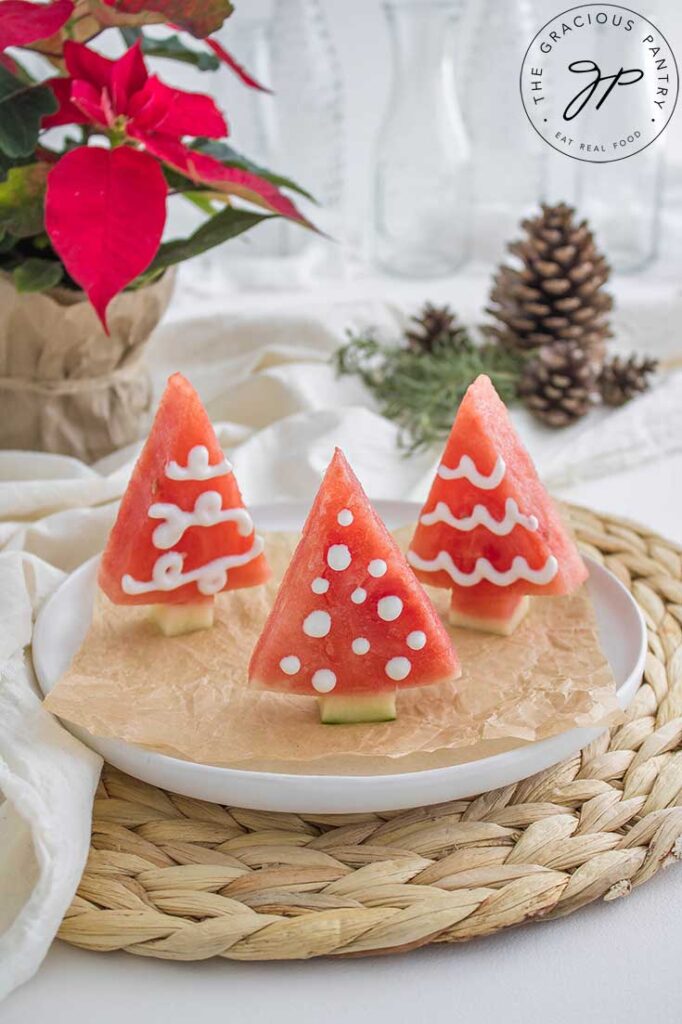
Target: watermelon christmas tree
[
  {"x": 489, "y": 531},
  {"x": 350, "y": 623},
  {"x": 182, "y": 533}
]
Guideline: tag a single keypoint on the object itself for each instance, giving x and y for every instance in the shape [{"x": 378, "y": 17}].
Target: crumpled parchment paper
[{"x": 188, "y": 696}]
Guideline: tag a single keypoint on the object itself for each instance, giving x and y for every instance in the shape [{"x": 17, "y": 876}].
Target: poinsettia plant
[{"x": 88, "y": 210}]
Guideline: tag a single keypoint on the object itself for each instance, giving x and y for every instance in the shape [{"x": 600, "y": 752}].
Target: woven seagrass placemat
[{"x": 180, "y": 879}]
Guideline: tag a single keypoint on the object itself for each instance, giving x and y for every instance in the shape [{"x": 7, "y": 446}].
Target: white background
[{"x": 360, "y": 35}]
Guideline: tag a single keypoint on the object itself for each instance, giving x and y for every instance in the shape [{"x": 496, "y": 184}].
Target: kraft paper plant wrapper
[
  {"x": 188, "y": 696},
  {"x": 64, "y": 385}
]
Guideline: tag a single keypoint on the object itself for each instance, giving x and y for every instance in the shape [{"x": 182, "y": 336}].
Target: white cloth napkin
[
  {"x": 268, "y": 380},
  {"x": 48, "y": 781}
]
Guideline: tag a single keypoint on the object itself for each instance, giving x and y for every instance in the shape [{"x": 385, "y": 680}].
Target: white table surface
[{"x": 610, "y": 963}]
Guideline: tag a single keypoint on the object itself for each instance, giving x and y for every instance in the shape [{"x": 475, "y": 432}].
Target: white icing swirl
[
  {"x": 210, "y": 578},
  {"x": 207, "y": 511},
  {"x": 466, "y": 469},
  {"x": 198, "y": 467},
  {"x": 484, "y": 570},
  {"x": 482, "y": 517}
]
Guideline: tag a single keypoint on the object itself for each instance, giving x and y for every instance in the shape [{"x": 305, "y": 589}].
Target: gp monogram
[{"x": 599, "y": 82}]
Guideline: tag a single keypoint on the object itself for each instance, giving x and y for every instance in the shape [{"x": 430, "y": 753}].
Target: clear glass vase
[
  {"x": 306, "y": 124},
  {"x": 622, "y": 198},
  {"x": 299, "y": 130},
  {"x": 509, "y": 160},
  {"x": 622, "y": 201},
  {"x": 422, "y": 189}
]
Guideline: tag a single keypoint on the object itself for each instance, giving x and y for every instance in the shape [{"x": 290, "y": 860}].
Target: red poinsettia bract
[
  {"x": 126, "y": 186},
  {"x": 240, "y": 71},
  {"x": 23, "y": 22},
  {"x": 105, "y": 213}
]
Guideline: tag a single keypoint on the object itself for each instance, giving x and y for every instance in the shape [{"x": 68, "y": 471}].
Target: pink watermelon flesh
[
  {"x": 284, "y": 641},
  {"x": 181, "y": 423},
  {"x": 483, "y": 431}
]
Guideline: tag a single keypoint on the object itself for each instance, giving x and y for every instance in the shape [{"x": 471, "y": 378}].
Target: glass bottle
[
  {"x": 302, "y": 124},
  {"x": 509, "y": 160},
  {"x": 299, "y": 130},
  {"x": 422, "y": 187},
  {"x": 622, "y": 198},
  {"x": 622, "y": 202}
]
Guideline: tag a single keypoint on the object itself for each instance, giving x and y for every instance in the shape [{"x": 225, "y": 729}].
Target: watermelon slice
[
  {"x": 182, "y": 533},
  {"x": 489, "y": 531},
  {"x": 350, "y": 623}
]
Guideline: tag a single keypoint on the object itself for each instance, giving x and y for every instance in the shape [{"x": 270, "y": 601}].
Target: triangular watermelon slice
[
  {"x": 350, "y": 623},
  {"x": 182, "y": 533},
  {"x": 489, "y": 530}
]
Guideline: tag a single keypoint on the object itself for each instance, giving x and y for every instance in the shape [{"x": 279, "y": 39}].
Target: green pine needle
[{"x": 421, "y": 391}]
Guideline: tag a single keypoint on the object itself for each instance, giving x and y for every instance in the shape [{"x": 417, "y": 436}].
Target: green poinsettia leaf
[
  {"x": 21, "y": 108},
  {"x": 202, "y": 200},
  {"x": 218, "y": 229},
  {"x": 199, "y": 17},
  {"x": 36, "y": 275},
  {"x": 172, "y": 48},
  {"x": 7, "y": 163},
  {"x": 22, "y": 200},
  {"x": 231, "y": 158}
]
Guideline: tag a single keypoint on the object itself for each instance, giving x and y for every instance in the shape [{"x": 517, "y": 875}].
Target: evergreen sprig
[{"x": 421, "y": 390}]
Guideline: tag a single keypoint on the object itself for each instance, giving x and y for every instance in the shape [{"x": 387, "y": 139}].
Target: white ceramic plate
[{"x": 64, "y": 620}]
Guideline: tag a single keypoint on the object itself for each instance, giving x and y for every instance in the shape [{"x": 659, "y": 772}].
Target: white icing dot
[
  {"x": 398, "y": 668},
  {"x": 319, "y": 585},
  {"x": 290, "y": 665},
  {"x": 338, "y": 557},
  {"x": 377, "y": 567},
  {"x": 345, "y": 517},
  {"x": 360, "y": 645},
  {"x": 317, "y": 624},
  {"x": 359, "y": 595},
  {"x": 324, "y": 680},
  {"x": 389, "y": 608},
  {"x": 416, "y": 640}
]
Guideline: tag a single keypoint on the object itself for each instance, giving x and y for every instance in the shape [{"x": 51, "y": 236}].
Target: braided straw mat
[{"x": 180, "y": 879}]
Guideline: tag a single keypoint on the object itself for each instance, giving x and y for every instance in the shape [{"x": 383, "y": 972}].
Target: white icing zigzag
[
  {"x": 198, "y": 467},
  {"x": 208, "y": 511},
  {"x": 466, "y": 469},
  {"x": 484, "y": 570},
  {"x": 211, "y": 578},
  {"x": 482, "y": 517}
]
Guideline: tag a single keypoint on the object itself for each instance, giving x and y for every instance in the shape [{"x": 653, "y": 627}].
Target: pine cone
[
  {"x": 556, "y": 294},
  {"x": 435, "y": 326},
  {"x": 558, "y": 383},
  {"x": 622, "y": 379}
]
